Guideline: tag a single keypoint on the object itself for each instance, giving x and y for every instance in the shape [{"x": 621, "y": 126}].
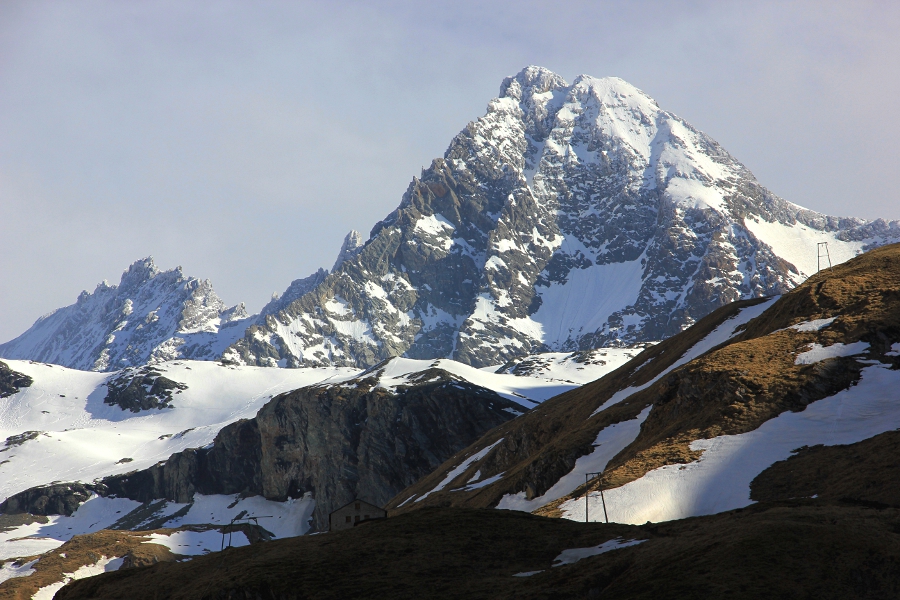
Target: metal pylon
[
  {"x": 587, "y": 493},
  {"x": 820, "y": 256}
]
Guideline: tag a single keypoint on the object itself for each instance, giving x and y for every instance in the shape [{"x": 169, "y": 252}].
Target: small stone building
[{"x": 355, "y": 512}]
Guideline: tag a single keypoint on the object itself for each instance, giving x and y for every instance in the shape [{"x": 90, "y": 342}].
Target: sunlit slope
[{"x": 686, "y": 426}]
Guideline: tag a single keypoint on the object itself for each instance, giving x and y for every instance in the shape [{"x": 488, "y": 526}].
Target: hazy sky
[{"x": 242, "y": 140}]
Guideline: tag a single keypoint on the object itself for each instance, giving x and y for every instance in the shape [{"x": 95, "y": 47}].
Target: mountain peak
[
  {"x": 353, "y": 242},
  {"x": 533, "y": 79},
  {"x": 140, "y": 271},
  {"x": 567, "y": 217},
  {"x": 151, "y": 315}
]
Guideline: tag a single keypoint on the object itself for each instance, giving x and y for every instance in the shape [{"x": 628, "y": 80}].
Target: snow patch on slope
[
  {"x": 573, "y": 555},
  {"x": 717, "y": 336},
  {"x": 797, "y": 244},
  {"x": 587, "y": 299},
  {"x": 453, "y": 474},
  {"x": 720, "y": 480},
  {"x": 610, "y": 441},
  {"x": 193, "y": 543},
  {"x": 817, "y": 352},
  {"x": 104, "y": 565}
]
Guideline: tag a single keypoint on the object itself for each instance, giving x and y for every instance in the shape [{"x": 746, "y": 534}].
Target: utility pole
[
  {"x": 820, "y": 256},
  {"x": 587, "y": 476}
]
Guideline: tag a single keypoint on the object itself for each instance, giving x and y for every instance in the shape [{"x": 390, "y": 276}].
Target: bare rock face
[
  {"x": 339, "y": 441},
  {"x": 141, "y": 389},
  {"x": 353, "y": 243},
  {"x": 12, "y": 381},
  {"x": 55, "y": 499},
  {"x": 297, "y": 289},
  {"x": 568, "y": 217}
]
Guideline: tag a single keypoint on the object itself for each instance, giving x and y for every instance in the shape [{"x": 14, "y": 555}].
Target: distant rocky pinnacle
[
  {"x": 567, "y": 217},
  {"x": 352, "y": 245},
  {"x": 151, "y": 315}
]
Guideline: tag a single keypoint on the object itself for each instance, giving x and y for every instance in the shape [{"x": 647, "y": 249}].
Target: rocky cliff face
[
  {"x": 339, "y": 441},
  {"x": 141, "y": 389},
  {"x": 150, "y": 316},
  {"x": 297, "y": 289},
  {"x": 567, "y": 217}
]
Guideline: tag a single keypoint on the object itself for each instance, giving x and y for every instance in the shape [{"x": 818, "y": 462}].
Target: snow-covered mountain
[
  {"x": 80, "y": 434},
  {"x": 567, "y": 217},
  {"x": 150, "y": 316}
]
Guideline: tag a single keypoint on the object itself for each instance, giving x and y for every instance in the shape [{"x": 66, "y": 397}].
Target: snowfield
[
  {"x": 72, "y": 435},
  {"x": 81, "y": 438},
  {"x": 797, "y": 244}
]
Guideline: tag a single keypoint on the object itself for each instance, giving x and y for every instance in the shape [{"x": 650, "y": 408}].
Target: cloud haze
[{"x": 243, "y": 140}]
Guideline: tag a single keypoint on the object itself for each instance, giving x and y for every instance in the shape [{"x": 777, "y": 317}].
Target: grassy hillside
[{"x": 799, "y": 549}]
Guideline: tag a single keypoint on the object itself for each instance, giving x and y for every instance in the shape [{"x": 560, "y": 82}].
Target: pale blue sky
[{"x": 242, "y": 140}]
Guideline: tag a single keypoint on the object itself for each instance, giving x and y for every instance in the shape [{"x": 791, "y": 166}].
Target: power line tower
[
  {"x": 587, "y": 494},
  {"x": 820, "y": 256}
]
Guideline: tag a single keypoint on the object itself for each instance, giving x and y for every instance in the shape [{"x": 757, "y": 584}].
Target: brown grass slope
[
  {"x": 804, "y": 549},
  {"x": 88, "y": 549},
  {"x": 731, "y": 389},
  {"x": 867, "y": 472},
  {"x": 83, "y": 550},
  {"x": 542, "y": 445}
]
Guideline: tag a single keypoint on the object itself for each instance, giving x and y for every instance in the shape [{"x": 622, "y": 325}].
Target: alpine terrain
[
  {"x": 151, "y": 315},
  {"x": 567, "y": 217},
  {"x": 772, "y": 423},
  {"x": 586, "y": 310},
  {"x": 694, "y": 425}
]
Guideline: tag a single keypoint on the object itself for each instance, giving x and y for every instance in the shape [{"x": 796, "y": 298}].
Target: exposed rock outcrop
[
  {"x": 297, "y": 289},
  {"x": 338, "y": 441},
  {"x": 54, "y": 499},
  {"x": 141, "y": 389},
  {"x": 12, "y": 381},
  {"x": 353, "y": 243}
]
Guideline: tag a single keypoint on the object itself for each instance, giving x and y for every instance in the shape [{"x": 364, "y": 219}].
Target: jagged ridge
[
  {"x": 568, "y": 217},
  {"x": 150, "y": 316}
]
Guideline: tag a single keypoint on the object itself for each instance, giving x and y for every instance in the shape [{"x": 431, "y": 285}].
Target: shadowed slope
[{"x": 781, "y": 550}]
